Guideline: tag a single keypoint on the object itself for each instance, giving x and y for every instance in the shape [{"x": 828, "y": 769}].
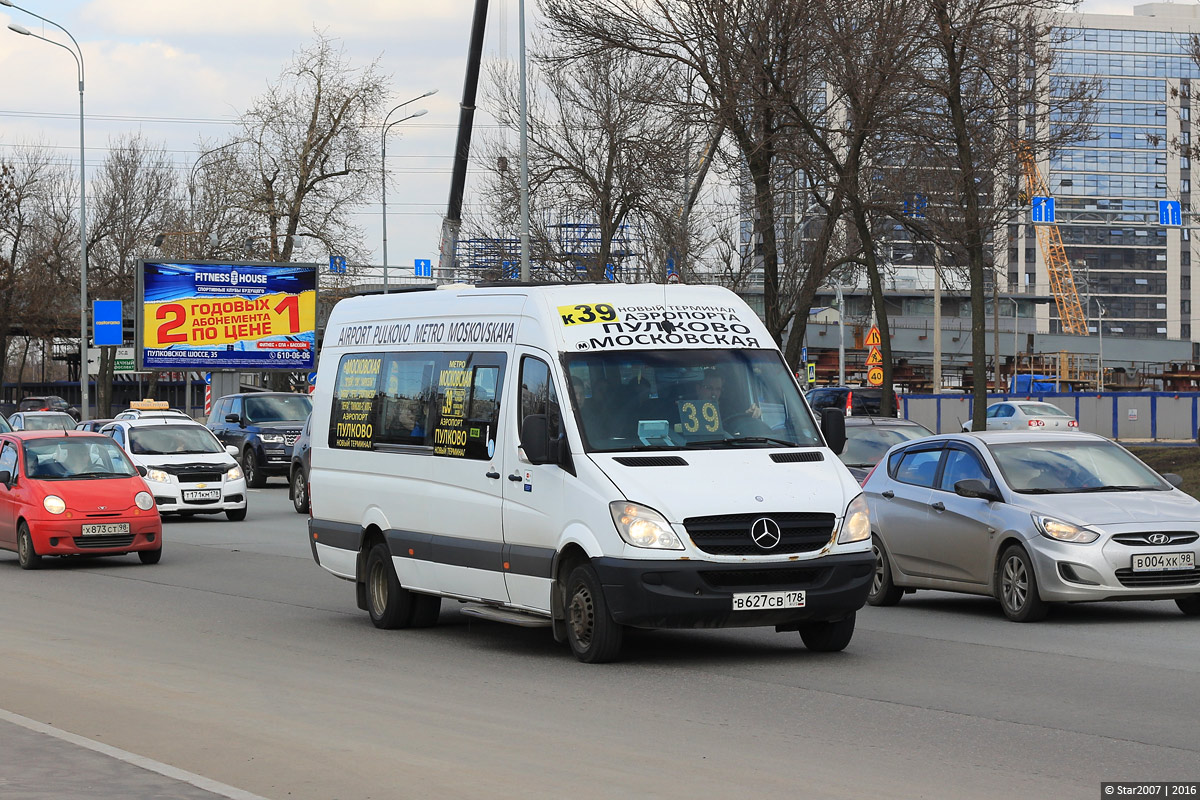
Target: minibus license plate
[
  {"x": 1155, "y": 562},
  {"x": 106, "y": 529},
  {"x": 767, "y": 601},
  {"x": 201, "y": 494}
]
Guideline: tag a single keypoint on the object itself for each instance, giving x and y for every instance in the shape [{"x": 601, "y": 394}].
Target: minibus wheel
[
  {"x": 591, "y": 631},
  {"x": 388, "y": 603},
  {"x": 826, "y": 636}
]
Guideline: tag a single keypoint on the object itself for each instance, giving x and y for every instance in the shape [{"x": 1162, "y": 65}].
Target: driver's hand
[{"x": 754, "y": 411}]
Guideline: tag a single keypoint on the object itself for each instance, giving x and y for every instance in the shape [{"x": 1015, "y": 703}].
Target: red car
[{"x": 73, "y": 493}]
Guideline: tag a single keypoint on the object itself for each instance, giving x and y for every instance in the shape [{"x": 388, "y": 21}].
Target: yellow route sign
[
  {"x": 875, "y": 376},
  {"x": 874, "y": 358},
  {"x": 873, "y": 339}
]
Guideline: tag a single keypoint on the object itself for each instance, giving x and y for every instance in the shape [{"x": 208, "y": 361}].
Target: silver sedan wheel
[{"x": 1014, "y": 583}]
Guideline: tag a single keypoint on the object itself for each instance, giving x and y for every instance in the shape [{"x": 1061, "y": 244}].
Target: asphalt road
[{"x": 236, "y": 667}]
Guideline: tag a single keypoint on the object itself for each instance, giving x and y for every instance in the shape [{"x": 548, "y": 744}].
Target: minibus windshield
[{"x": 677, "y": 399}]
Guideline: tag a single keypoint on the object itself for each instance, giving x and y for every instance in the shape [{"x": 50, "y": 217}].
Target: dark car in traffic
[
  {"x": 868, "y": 438},
  {"x": 855, "y": 400},
  {"x": 301, "y": 463},
  {"x": 263, "y": 426},
  {"x": 49, "y": 402}
]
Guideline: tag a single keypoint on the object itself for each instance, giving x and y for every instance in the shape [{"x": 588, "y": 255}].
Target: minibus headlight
[
  {"x": 643, "y": 527},
  {"x": 856, "y": 525},
  {"x": 144, "y": 501},
  {"x": 54, "y": 504}
]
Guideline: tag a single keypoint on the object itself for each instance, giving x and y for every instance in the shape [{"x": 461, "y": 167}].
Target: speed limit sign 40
[{"x": 875, "y": 376}]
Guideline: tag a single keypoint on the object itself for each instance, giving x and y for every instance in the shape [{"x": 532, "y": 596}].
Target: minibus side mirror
[
  {"x": 833, "y": 426},
  {"x": 535, "y": 440},
  {"x": 1173, "y": 479}
]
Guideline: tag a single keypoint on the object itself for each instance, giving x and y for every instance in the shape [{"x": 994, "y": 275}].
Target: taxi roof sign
[{"x": 150, "y": 405}]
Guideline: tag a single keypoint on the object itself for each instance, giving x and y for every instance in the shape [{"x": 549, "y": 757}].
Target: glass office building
[{"x": 1132, "y": 272}]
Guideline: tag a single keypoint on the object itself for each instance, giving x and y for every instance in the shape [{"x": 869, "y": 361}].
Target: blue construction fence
[{"x": 1146, "y": 416}]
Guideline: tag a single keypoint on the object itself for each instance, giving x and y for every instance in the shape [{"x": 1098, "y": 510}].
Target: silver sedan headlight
[
  {"x": 856, "y": 525},
  {"x": 234, "y": 473},
  {"x": 1062, "y": 531}
]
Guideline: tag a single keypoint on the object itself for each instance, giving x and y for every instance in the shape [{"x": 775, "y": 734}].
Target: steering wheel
[{"x": 744, "y": 423}]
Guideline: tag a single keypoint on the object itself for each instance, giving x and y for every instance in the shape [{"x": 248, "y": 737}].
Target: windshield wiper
[
  {"x": 1117, "y": 488},
  {"x": 99, "y": 475},
  {"x": 743, "y": 440}
]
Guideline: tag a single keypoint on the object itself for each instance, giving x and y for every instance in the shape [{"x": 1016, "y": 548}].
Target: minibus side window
[
  {"x": 538, "y": 395},
  {"x": 352, "y": 419},
  {"x": 465, "y": 404},
  {"x": 404, "y": 399}
]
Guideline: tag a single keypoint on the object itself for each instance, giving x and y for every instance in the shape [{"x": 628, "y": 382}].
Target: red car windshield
[{"x": 75, "y": 457}]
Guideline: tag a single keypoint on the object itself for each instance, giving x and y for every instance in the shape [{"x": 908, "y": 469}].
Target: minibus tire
[
  {"x": 826, "y": 636},
  {"x": 594, "y": 636},
  {"x": 388, "y": 603}
]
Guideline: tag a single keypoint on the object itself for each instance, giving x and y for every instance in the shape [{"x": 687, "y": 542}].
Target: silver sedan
[
  {"x": 1032, "y": 415},
  {"x": 1031, "y": 519}
]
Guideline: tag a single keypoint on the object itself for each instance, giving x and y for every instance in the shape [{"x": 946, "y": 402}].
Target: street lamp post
[
  {"x": 1100, "y": 354},
  {"x": 383, "y": 167},
  {"x": 1014, "y": 371},
  {"x": 524, "y": 104},
  {"x": 77, "y": 54},
  {"x": 837, "y": 288},
  {"x": 192, "y": 179}
]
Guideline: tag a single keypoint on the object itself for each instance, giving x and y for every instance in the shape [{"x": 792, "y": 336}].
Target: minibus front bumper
[{"x": 699, "y": 594}]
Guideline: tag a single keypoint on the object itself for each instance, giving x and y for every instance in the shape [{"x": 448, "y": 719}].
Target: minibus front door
[{"x": 533, "y": 485}]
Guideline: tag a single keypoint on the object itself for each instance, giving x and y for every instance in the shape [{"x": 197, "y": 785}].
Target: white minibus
[{"x": 584, "y": 457}]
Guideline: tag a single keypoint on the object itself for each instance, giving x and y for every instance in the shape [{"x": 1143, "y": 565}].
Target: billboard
[{"x": 203, "y": 315}]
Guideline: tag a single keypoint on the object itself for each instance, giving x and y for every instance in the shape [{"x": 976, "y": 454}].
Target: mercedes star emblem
[{"x": 765, "y": 532}]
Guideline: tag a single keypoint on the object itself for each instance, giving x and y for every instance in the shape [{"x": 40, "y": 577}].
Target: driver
[{"x": 710, "y": 390}]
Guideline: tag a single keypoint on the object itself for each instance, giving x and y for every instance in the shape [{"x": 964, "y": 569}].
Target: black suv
[
  {"x": 49, "y": 402},
  {"x": 263, "y": 426},
  {"x": 856, "y": 400}
]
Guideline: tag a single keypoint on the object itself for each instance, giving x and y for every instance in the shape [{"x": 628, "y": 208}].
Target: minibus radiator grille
[{"x": 731, "y": 534}]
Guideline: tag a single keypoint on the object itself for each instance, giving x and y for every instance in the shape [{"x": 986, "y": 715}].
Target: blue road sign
[
  {"x": 915, "y": 205},
  {"x": 106, "y": 323},
  {"x": 1043, "y": 209},
  {"x": 423, "y": 268},
  {"x": 804, "y": 354},
  {"x": 512, "y": 269},
  {"x": 312, "y": 377},
  {"x": 1170, "y": 212},
  {"x": 337, "y": 263}
]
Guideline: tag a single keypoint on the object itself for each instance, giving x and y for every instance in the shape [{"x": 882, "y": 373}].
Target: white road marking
[{"x": 199, "y": 781}]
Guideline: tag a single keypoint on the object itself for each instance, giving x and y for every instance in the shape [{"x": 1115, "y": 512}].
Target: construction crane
[{"x": 1062, "y": 283}]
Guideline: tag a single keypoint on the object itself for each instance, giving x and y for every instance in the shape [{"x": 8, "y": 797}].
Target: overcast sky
[{"x": 180, "y": 70}]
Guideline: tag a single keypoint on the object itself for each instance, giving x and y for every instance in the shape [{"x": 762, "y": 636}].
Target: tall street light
[
  {"x": 76, "y": 53},
  {"x": 383, "y": 167},
  {"x": 192, "y": 178}
]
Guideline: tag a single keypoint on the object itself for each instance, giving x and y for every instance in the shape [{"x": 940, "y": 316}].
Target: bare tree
[
  {"x": 308, "y": 154},
  {"x": 741, "y": 52},
  {"x": 988, "y": 85},
  {"x": 604, "y": 154},
  {"x": 136, "y": 197}
]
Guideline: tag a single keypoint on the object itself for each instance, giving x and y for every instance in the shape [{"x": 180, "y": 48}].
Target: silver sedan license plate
[
  {"x": 1157, "y": 562},
  {"x": 192, "y": 495},
  {"x": 106, "y": 529},
  {"x": 767, "y": 601}
]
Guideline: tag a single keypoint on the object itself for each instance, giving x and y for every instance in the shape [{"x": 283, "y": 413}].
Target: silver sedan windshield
[{"x": 1059, "y": 467}]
